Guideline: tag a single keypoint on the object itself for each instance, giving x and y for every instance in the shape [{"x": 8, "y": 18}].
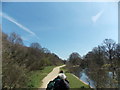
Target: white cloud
[
  {"x": 97, "y": 16},
  {"x": 18, "y": 24}
]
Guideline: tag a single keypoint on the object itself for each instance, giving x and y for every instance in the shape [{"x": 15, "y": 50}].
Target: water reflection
[
  {"x": 99, "y": 78},
  {"x": 110, "y": 74},
  {"x": 85, "y": 78},
  {"x": 96, "y": 77}
]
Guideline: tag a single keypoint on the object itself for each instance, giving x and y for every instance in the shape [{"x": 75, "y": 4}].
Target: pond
[
  {"x": 86, "y": 79},
  {"x": 101, "y": 77}
]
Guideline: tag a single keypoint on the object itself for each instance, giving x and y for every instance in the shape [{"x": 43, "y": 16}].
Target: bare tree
[
  {"x": 45, "y": 50},
  {"x": 15, "y": 38},
  {"x": 36, "y": 46},
  {"x": 75, "y": 58},
  {"x": 98, "y": 54},
  {"x": 19, "y": 60},
  {"x": 109, "y": 47},
  {"x": 118, "y": 54}
]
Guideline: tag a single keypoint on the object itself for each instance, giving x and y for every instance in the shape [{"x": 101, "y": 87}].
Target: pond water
[
  {"x": 110, "y": 74},
  {"x": 83, "y": 76},
  {"x": 86, "y": 79}
]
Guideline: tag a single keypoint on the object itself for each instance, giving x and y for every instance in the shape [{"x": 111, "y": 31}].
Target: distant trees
[
  {"x": 102, "y": 60},
  {"x": 109, "y": 46},
  {"x": 12, "y": 73},
  {"x": 36, "y": 46},
  {"x": 75, "y": 58},
  {"x": 45, "y": 50},
  {"x": 73, "y": 62},
  {"x": 98, "y": 56},
  {"x": 107, "y": 53},
  {"x": 18, "y": 60},
  {"x": 117, "y": 55},
  {"x": 99, "y": 63},
  {"x": 15, "y": 39}
]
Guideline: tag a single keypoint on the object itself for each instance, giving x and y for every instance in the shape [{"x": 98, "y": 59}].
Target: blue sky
[{"x": 62, "y": 27}]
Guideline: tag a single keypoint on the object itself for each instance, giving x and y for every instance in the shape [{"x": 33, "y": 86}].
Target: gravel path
[{"x": 53, "y": 74}]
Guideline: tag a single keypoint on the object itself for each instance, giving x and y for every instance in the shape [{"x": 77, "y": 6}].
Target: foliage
[
  {"x": 18, "y": 60},
  {"x": 102, "y": 60},
  {"x": 75, "y": 58},
  {"x": 99, "y": 62}
]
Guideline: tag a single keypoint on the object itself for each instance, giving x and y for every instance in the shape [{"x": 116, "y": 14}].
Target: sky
[{"x": 62, "y": 27}]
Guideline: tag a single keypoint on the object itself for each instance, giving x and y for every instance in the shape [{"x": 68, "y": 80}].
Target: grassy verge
[
  {"x": 35, "y": 77},
  {"x": 74, "y": 82}
]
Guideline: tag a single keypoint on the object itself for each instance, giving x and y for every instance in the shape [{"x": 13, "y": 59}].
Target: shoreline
[{"x": 81, "y": 80}]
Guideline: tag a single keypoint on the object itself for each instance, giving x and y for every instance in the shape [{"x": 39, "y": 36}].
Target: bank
[
  {"x": 36, "y": 77},
  {"x": 75, "y": 82}
]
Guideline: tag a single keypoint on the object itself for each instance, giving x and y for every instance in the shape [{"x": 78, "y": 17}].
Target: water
[
  {"x": 110, "y": 74},
  {"x": 86, "y": 79},
  {"x": 83, "y": 76},
  {"x": 105, "y": 78}
]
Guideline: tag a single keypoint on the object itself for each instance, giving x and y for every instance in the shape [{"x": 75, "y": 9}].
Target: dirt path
[{"x": 51, "y": 76}]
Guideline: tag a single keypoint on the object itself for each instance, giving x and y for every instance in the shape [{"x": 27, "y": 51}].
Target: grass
[
  {"x": 74, "y": 82},
  {"x": 35, "y": 77}
]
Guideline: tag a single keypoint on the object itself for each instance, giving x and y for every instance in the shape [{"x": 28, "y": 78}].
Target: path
[{"x": 51, "y": 76}]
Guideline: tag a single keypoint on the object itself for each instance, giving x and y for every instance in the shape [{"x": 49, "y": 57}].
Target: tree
[
  {"x": 118, "y": 54},
  {"x": 15, "y": 39},
  {"x": 36, "y": 46},
  {"x": 117, "y": 63},
  {"x": 109, "y": 47},
  {"x": 19, "y": 60},
  {"x": 75, "y": 58},
  {"x": 98, "y": 54},
  {"x": 45, "y": 50}
]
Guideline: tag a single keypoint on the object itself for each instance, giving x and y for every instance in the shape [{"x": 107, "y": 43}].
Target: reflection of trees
[
  {"x": 100, "y": 78},
  {"x": 118, "y": 74},
  {"x": 102, "y": 60},
  {"x": 88, "y": 80}
]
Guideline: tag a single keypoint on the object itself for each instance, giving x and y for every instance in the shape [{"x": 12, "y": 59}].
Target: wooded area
[
  {"x": 99, "y": 63},
  {"x": 18, "y": 60}
]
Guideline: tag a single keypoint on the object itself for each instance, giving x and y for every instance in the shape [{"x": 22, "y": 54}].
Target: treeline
[
  {"x": 106, "y": 54},
  {"x": 18, "y": 60},
  {"x": 102, "y": 64}
]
